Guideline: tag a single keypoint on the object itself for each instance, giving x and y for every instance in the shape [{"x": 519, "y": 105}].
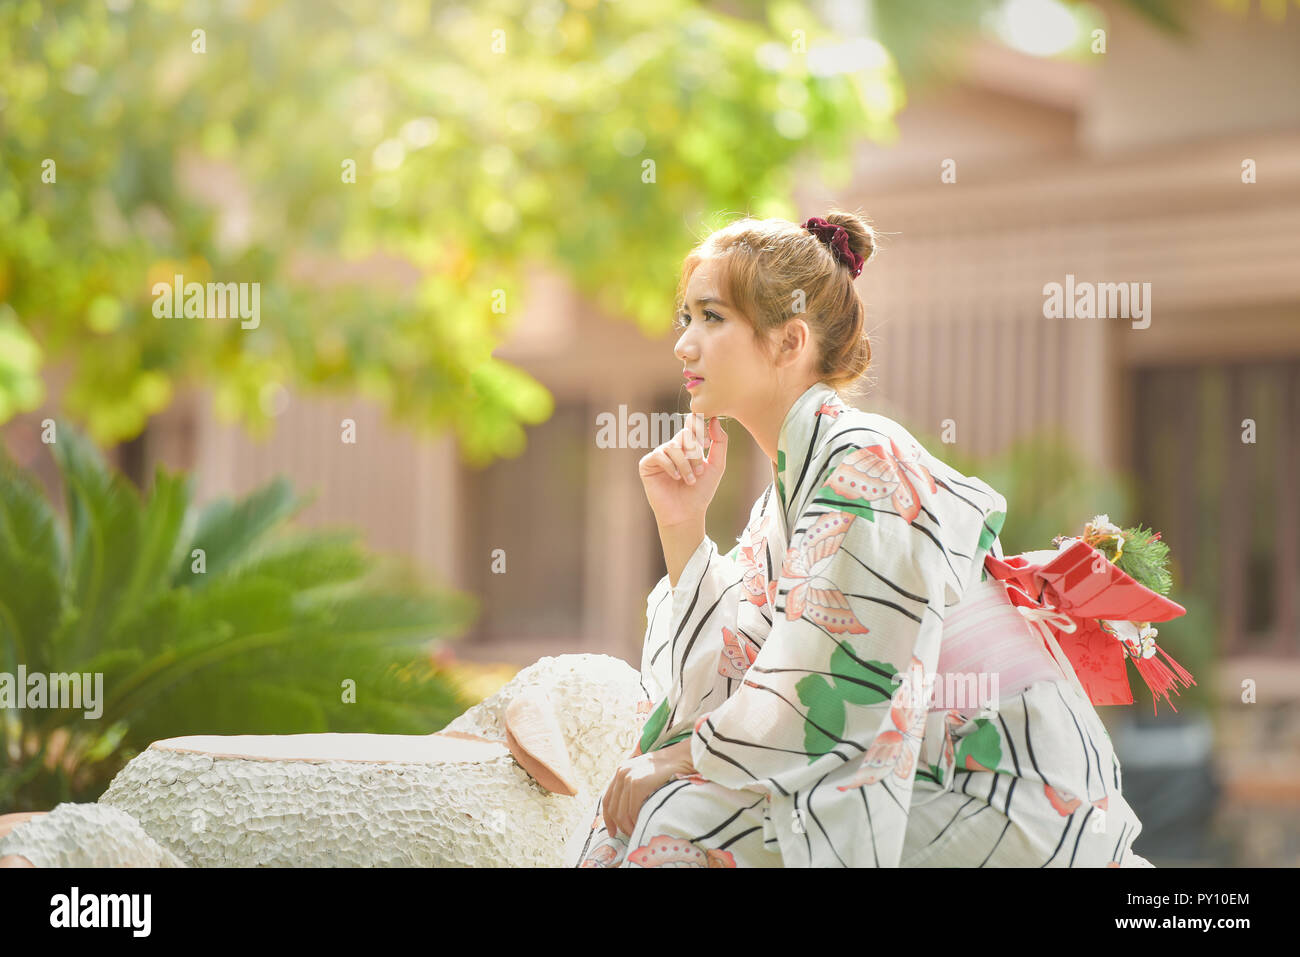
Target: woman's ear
[{"x": 793, "y": 341}]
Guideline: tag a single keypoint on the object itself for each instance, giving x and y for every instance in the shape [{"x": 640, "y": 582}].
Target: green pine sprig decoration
[{"x": 1145, "y": 558}]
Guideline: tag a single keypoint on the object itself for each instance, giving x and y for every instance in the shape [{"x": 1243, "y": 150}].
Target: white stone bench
[{"x": 455, "y": 798}]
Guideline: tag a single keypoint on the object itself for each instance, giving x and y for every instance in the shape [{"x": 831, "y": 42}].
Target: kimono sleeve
[
  {"x": 836, "y": 700},
  {"x": 683, "y": 644}
]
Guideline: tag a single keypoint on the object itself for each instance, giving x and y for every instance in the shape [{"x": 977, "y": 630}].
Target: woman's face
[{"x": 717, "y": 344}]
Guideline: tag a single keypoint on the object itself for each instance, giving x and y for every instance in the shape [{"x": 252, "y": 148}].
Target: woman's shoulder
[{"x": 855, "y": 429}]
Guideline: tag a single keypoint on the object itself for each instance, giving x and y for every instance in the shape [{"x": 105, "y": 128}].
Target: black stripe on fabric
[
  {"x": 1015, "y": 760},
  {"x": 993, "y": 790},
  {"x": 739, "y": 811},
  {"x": 672, "y": 716},
  {"x": 658, "y": 651},
  {"x": 996, "y": 843},
  {"x": 829, "y": 456},
  {"x": 1101, "y": 775},
  {"x": 887, "y": 692},
  {"x": 1011, "y": 789},
  {"x": 882, "y": 782},
  {"x": 919, "y": 528},
  {"x": 807, "y": 841},
  {"x": 1079, "y": 836},
  {"x": 730, "y": 760},
  {"x": 681, "y": 786},
  {"x": 1029, "y": 742},
  {"x": 807, "y": 460},
  {"x": 974, "y": 488},
  {"x": 723, "y": 847},
  {"x": 695, "y": 597},
  {"x": 586, "y": 845},
  {"x": 846, "y": 648},
  {"x": 1068, "y": 821},
  {"x": 1114, "y": 855},
  {"x": 768, "y": 747},
  {"x": 881, "y": 601},
  {"x": 1087, "y": 762},
  {"x": 863, "y": 428},
  {"x": 950, "y": 823},
  {"x": 902, "y": 591},
  {"x": 820, "y": 827},
  {"x": 925, "y": 511},
  {"x": 871, "y": 829}
]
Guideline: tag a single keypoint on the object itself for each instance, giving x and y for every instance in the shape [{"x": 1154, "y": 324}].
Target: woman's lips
[{"x": 693, "y": 381}]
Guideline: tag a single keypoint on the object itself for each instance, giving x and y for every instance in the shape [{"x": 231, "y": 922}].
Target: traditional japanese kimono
[{"x": 857, "y": 690}]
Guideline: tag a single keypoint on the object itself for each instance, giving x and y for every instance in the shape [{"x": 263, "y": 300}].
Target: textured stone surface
[
  {"x": 86, "y": 835},
  {"x": 214, "y": 808},
  {"x": 595, "y": 698}
]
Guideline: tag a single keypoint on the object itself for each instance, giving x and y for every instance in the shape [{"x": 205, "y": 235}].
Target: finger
[
  {"x": 703, "y": 430},
  {"x": 665, "y": 463},
  {"x": 606, "y": 808},
  {"x": 718, "y": 444},
  {"x": 626, "y": 816},
  {"x": 716, "y": 432},
  {"x": 689, "y": 438},
  {"x": 685, "y": 469}
]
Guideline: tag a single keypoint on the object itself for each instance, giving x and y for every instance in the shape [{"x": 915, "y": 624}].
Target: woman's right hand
[{"x": 679, "y": 480}]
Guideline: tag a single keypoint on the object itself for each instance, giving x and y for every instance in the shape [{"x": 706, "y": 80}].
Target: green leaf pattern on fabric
[
  {"x": 981, "y": 750},
  {"x": 851, "y": 682}
]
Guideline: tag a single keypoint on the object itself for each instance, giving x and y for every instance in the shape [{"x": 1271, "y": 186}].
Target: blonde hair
[{"x": 767, "y": 262}]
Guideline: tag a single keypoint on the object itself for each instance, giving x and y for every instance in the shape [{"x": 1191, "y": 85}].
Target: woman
[{"x": 796, "y": 718}]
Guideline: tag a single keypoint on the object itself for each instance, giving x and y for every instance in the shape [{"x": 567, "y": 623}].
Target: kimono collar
[{"x": 804, "y": 426}]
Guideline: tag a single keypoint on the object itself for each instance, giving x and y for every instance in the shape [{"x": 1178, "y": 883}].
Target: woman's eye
[{"x": 684, "y": 319}]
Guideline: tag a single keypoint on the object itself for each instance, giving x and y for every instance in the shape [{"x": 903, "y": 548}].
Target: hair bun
[{"x": 862, "y": 238}]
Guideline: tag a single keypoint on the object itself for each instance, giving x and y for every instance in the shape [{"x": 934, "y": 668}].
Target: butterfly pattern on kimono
[
  {"x": 664, "y": 850},
  {"x": 758, "y": 587},
  {"x": 738, "y": 653},
  {"x": 605, "y": 854},
  {"x": 1066, "y": 802},
  {"x": 813, "y": 595},
  {"x": 893, "y": 750},
  {"x": 871, "y": 474},
  {"x": 952, "y": 721}
]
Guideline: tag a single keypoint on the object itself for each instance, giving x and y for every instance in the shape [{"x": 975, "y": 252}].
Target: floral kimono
[{"x": 823, "y": 672}]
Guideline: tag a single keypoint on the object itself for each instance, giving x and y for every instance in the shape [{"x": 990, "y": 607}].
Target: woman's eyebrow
[{"x": 705, "y": 300}]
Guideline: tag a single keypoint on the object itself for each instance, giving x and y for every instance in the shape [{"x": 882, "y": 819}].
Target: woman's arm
[{"x": 679, "y": 544}]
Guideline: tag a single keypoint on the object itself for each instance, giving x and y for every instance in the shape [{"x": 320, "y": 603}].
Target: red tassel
[{"x": 1160, "y": 679}]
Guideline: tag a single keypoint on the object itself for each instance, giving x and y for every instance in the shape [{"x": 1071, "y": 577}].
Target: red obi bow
[{"x": 1069, "y": 584}]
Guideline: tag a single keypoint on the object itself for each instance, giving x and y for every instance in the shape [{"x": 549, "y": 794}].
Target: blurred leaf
[{"x": 266, "y": 641}]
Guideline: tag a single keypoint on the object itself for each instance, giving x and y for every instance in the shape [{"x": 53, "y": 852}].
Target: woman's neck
[{"x": 764, "y": 422}]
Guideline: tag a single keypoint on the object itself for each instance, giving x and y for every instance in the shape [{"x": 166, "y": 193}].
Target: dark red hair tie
[{"x": 837, "y": 240}]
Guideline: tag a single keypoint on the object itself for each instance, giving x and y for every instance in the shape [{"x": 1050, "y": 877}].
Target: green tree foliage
[
  {"x": 142, "y": 139},
  {"x": 594, "y": 138},
  {"x": 258, "y": 635}
]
